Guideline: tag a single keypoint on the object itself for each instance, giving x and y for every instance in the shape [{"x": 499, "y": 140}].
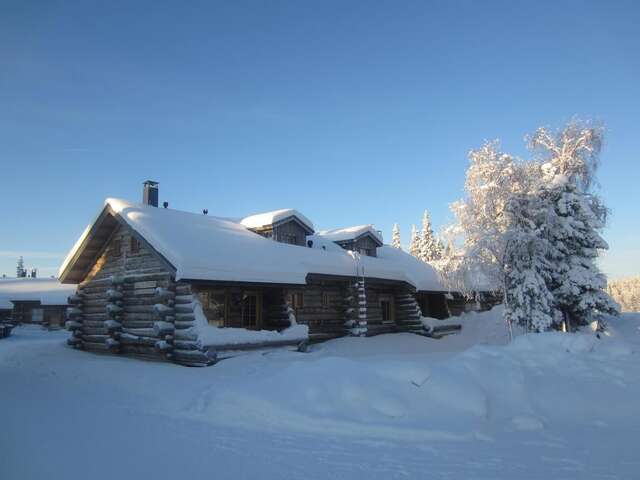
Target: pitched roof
[
  {"x": 349, "y": 233},
  {"x": 270, "y": 218},
  {"x": 205, "y": 247},
  {"x": 47, "y": 291}
]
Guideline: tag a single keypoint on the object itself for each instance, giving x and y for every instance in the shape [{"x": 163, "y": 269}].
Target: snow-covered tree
[
  {"x": 528, "y": 301},
  {"x": 570, "y": 159},
  {"x": 414, "y": 245},
  {"x": 626, "y": 292},
  {"x": 395, "y": 236},
  {"x": 532, "y": 229},
  {"x": 429, "y": 246},
  {"x": 21, "y": 272},
  {"x": 481, "y": 223}
]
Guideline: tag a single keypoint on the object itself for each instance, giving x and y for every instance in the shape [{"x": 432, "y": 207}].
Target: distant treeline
[{"x": 626, "y": 292}]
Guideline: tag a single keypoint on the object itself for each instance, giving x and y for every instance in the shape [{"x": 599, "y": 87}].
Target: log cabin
[
  {"x": 163, "y": 283},
  {"x": 41, "y": 301}
]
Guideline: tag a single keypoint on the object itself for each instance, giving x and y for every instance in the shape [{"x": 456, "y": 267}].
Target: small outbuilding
[{"x": 41, "y": 301}]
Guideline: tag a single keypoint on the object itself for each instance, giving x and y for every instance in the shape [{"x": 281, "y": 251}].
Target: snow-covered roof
[
  {"x": 265, "y": 219},
  {"x": 205, "y": 247},
  {"x": 48, "y": 291},
  {"x": 348, "y": 233}
]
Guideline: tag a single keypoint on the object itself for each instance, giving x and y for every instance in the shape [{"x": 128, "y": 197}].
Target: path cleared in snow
[{"x": 393, "y": 406}]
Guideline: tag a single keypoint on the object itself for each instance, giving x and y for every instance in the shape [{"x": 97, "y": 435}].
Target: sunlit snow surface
[{"x": 393, "y": 406}]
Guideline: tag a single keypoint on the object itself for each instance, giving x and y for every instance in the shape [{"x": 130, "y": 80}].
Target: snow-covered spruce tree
[
  {"x": 414, "y": 245},
  {"x": 21, "y": 272},
  {"x": 429, "y": 245},
  {"x": 569, "y": 160},
  {"x": 395, "y": 236},
  {"x": 528, "y": 271}
]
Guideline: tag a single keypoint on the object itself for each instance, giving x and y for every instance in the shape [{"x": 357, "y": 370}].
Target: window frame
[
  {"x": 134, "y": 245},
  {"x": 297, "y": 300},
  {"x": 324, "y": 299},
  {"x": 258, "y": 309},
  {"x": 116, "y": 248},
  {"x": 390, "y": 309}
]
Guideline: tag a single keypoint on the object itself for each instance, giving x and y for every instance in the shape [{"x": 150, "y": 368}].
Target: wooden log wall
[
  {"x": 353, "y": 316},
  {"x": 324, "y": 320},
  {"x": 408, "y": 312},
  {"x": 128, "y": 303}
]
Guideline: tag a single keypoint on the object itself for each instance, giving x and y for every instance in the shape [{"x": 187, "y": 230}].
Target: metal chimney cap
[{"x": 150, "y": 183}]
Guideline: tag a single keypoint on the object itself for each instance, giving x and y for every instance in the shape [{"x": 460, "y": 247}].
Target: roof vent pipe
[{"x": 150, "y": 193}]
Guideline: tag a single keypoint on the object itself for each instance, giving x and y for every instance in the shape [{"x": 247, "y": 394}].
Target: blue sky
[{"x": 352, "y": 112}]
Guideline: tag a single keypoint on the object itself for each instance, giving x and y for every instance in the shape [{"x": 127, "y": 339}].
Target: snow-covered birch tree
[
  {"x": 481, "y": 221},
  {"x": 532, "y": 229}
]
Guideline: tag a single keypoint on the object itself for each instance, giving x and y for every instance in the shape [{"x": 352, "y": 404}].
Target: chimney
[{"x": 150, "y": 193}]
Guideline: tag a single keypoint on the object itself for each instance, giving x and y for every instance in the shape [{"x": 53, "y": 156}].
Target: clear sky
[{"x": 352, "y": 112}]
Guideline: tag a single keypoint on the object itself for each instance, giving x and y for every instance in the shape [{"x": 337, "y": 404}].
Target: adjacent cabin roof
[
  {"x": 47, "y": 291},
  {"x": 350, "y": 233},
  {"x": 276, "y": 217},
  {"x": 205, "y": 247}
]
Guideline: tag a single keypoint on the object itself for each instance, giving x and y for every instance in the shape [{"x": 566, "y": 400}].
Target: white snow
[
  {"x": 269, "y": 218},
  {"x": 548, "y": 405},
  {"x": 347, "y": 233},
  {"x": 212, "y": 336},
  {"x": 205, "y": 247},
  {"x": 48, "y": 291}
]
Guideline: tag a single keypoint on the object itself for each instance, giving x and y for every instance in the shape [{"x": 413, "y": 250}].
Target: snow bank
[
  {"x": 48, "y": 291},
  {"x": 211, "y": 336},
  {"x": 536, "y": 381},
  {"x": 477, "y": 328},
  {"x": 545, "y": 406}
]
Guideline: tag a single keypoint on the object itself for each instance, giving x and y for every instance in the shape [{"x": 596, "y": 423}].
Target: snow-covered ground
[{"x": 394, "y": 406}]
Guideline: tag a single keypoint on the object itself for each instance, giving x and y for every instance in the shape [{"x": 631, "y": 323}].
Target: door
[
  {"x": 53, "y": 318},
  {"x": 252, "y": 310}
]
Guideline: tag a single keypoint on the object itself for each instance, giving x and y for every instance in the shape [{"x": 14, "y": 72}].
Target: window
[
  {"x": 325, "y": 299},
  {"x": 291, "y": 239},
  {"x": 297, "y": 300},
  {"x": 37, "y": 315},
  {"x": 135, "y": 245},
  {"x": 215, "y": 306},
  {"x": 250, "y": 310},
  {"x": 116, "y": 247},
  {"x": 387, "y": 308},
  {"x": 365, "y": 251}
]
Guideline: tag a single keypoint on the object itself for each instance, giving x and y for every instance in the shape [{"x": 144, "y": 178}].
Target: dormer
[
  {"x": 285, "y": 226},
  {"x": 364, "y": 239}
]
